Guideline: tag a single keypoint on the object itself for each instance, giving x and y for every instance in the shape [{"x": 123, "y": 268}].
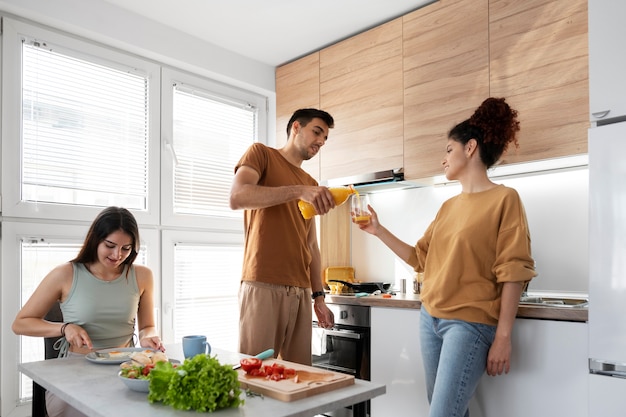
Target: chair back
[
  {"x": 55, "y": 315},
  {"x": 39, "y": 392}
]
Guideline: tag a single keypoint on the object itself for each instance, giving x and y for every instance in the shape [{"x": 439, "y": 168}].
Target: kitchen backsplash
[{"x": 556, "y": 205}]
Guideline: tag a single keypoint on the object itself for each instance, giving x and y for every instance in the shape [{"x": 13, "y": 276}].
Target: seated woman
[{"x": 101, "y": 294}]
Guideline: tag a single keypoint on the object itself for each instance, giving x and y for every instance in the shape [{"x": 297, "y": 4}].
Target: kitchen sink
[{"x": 554, "y": 301}]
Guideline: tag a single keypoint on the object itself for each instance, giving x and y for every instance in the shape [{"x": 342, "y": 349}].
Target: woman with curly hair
[{"x": 476, "y": 259}]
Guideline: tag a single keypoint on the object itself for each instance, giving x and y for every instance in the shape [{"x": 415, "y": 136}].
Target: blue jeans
[{"x": 454, "y": 353}]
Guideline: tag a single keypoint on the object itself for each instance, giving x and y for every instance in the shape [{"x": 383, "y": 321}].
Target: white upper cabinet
[{"x": 607, "y": 61}]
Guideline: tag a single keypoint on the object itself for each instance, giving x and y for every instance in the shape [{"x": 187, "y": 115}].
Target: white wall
[{"x": 557, "y": 209}]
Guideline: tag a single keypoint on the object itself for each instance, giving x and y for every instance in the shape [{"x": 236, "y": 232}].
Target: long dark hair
[
  {"x": 494, "y": 125},
  {"x": 110, "y": 220}
]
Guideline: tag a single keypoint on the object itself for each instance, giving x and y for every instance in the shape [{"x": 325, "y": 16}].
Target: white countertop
[{"x": 96, "y": 390}]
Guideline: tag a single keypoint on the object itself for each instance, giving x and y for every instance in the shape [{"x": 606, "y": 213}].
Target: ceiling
[{"x": 271, "y": 31}]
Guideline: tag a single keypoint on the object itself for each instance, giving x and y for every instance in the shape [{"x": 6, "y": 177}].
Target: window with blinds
[
  {"x": 84, "y": 131},
  {"x": 210, "y": 134},
  {"x": 206, "y": 284},
  {"x": 87, "y": 126}
]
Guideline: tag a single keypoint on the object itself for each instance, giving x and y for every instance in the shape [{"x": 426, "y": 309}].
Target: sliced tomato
[
  {"x": 277, "y": 377},
  {"x": 257, "y": 372},
  {"x": 289, "y": 372},
  {"x": 277, "y": 368},
  {"x": 248, "y": 364},
  {"x": 146, "y": 369}
]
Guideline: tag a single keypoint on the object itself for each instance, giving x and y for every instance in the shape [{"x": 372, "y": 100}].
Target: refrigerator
[{"x": 607, "y": 270}]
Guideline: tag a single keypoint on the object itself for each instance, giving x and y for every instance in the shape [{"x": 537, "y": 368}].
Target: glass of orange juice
[{"x": 359, "y": 209}]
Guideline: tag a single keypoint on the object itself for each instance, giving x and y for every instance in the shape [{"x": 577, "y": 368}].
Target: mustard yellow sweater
[{"x": 476, "y": 242}]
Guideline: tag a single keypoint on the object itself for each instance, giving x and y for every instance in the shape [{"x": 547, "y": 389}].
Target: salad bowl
[{"x": 135, "y": 384}]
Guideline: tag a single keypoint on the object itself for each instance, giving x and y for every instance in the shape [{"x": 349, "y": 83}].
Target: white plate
[{"x": 120, "y": 355}]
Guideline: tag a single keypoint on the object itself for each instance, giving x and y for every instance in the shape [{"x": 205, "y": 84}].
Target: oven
[{"x": 345, "y": 348}]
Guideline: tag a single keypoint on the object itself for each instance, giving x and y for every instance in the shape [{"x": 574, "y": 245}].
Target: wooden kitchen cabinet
[
  {"x": 361, "y": 86},
  {"x": 396, "y": 90},
  {"x": 334, "y": 238},
  {"x": 607, "y": 62},
  {"x": 297, "y": 87},
  {"x": 446, "y": 76},
  {"x": 539, "y": 63}
]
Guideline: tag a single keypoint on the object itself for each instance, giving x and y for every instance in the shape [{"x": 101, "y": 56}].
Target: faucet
[{"x": 525, "y": 290}]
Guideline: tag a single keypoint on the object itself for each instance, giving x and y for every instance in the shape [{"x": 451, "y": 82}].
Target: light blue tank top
[{"x": 107, "y": 310}]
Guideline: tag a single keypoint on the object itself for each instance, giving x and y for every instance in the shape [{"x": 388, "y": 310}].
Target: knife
[{"x": 263, "y": 355}]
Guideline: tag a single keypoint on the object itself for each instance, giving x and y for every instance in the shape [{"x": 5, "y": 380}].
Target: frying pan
[{"x": 368, "y": 287}]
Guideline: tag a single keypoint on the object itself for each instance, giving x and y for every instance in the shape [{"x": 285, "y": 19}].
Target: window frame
[{"x": 13, "y": 34}]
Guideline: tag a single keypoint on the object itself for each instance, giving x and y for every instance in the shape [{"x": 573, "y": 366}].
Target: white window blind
[
  {"x": 85, "y": 131},
  {"x": 210, "y": 134},
  {"x": 206, "y": 284}
]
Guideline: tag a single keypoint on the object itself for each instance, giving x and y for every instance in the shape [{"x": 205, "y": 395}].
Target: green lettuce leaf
[{"x": 201, "y": 383}]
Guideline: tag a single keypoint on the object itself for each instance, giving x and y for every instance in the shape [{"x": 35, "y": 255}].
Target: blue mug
[{"x": 195, "y": 345}]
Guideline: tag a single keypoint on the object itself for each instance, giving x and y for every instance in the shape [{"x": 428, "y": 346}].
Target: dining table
[{"x": 96, "y": 390}]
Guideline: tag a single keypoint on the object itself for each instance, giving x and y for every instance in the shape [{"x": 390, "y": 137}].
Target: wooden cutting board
[{"x": 312, "y": 381}]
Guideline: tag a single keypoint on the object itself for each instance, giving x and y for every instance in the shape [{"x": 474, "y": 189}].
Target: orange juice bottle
[{"x": 340, "y": 195}]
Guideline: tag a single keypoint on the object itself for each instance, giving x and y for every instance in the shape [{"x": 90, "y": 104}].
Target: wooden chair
[{"x": 39, "y": 392}]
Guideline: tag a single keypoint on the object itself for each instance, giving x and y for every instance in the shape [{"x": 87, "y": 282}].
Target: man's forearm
[{"x": 250, "y": 196}]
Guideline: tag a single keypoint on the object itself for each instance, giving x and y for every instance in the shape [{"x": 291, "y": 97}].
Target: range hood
[{"x": 392, "y": 179}]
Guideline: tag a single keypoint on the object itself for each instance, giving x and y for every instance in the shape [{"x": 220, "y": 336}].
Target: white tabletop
[{"x": 96, "y": 390}]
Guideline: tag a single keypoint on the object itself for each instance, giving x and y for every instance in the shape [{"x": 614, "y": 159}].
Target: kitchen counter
[
  {"x": 95, "y": 390},
  {"x": 412, "y": 301}
]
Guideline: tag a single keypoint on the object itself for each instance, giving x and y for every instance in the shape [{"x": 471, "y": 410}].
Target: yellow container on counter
[{"x": 341, "y": 273}]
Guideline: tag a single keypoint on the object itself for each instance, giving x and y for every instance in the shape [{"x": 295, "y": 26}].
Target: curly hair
[{"x": 493, "y": 125}]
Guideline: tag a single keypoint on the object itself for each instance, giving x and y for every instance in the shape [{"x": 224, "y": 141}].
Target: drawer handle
[
  {"x": 347, "y": 335},
  {"x": 600, "y": 114}
]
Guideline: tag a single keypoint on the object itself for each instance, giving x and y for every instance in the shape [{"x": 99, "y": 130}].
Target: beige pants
[
  {"x": 277, "y": 317},
  {"x": 56, "y": 407}
]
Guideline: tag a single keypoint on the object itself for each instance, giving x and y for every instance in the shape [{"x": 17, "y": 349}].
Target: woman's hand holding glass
[
  {"x": 372, "y": 225},
  {"x": 360, "y": 209}
]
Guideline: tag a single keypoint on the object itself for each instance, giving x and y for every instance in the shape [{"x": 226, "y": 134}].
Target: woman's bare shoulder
[
  {"x": 63, "y": 271},
  {"x": 143, "y": 274},
  {"x": 58, "y": 280},
  {"x": 142, "y": 270}
]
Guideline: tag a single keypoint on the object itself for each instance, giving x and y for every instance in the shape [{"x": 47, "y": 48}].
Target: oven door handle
[{"x": 339, "y": 333}]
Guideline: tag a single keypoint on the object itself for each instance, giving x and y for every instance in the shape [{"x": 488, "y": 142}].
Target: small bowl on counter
[{"x": 135, "y": 384}]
